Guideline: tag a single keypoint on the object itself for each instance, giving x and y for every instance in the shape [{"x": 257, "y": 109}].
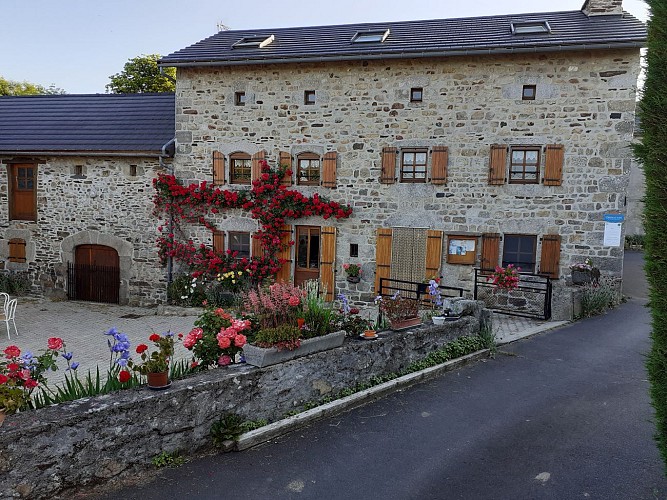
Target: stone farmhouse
[{"x": 459, "y": 143}]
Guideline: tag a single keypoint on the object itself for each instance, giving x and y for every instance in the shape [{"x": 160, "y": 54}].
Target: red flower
[
  {"x": 55, "y": 343},
  {"x": 141, "y": 348},
  {"x": 3, "y": 379},
  {"x": 30, "y": 383},
  {"x": 180, "y": 335},
  {"x": 12, "y": 351},
  {"x": 13, "y": 367},
  {"x": 154, "y": 338},
  {"x": 124, "y": 376},
  {"x": 194, "y": 364}
]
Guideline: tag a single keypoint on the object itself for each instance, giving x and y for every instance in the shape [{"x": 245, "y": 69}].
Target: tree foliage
[
  {"x": 142, "y": 74},
  {"x": 10, "y": 87},
  {"x": 652, "y": 153}
]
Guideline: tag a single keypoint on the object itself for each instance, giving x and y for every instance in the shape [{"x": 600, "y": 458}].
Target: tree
[
  {"x": 10, "y": 87},
  {"x": 141, "y": 74},
  {"x": 652, "y": 153}
]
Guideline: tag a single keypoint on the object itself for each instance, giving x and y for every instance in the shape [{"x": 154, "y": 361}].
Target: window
[
  {"x": 309, "y": 97},
  {"x": 308, "y": 169},
  {"x": 354, "y": 250},
  {"x": 528, "y": 92},
  {"x": 524, "y": 165},
  {"x": 240, "y": 167},
  {"x": 239, "y": 244},
  {"x": 16, "y": 250},
  {"x": 133, "y": 170},
  {"x": 519, "y": 250},
  {"x": 23, "y": 195},
  {"x": 413, "y": 165},
  {"x": 254, "y": 42},
  {"x": 239, "y": 99},
  {"x": 530, "y": 27},
  {"x": 78, "y": 170},
  {"x": 371, "y": 36},
  {"x": 416, "y": 94}
]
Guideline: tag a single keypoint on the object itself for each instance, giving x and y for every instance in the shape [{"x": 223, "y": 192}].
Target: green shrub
[
  {"x": 282, "y": 337},
  {"x": 187, "y": 291},
  {"x": 597, "y": 298},
  {"x": 230, "y": 426},
  {"x": 320, "y": 318},
  {"x": 165, "y": 459},
  {"x": 15, "y": 283},
  {"x": 634, "y": 240}
]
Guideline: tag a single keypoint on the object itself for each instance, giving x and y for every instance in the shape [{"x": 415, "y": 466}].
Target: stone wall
[
  {"x": 105, "y": 205},
  {"x": 93, "y": 440},
  {"x": 584, "y": 100}
]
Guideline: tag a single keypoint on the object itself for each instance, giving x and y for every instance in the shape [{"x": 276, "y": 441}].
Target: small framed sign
[{"x": 461, "y": 249}]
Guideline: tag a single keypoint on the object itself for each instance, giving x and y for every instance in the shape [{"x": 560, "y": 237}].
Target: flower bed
[{"x": 79, "y": 443}]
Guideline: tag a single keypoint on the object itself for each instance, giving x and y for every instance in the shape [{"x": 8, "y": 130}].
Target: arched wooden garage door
[{"x": 95, "y": 274}]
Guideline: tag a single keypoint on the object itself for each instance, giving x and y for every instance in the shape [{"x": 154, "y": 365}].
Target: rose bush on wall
[{"x": 269, "y": 202}]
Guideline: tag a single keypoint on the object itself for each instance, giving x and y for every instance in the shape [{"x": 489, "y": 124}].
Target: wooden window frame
[
  {"x": 525, "y": 96},
  {"x": 240, "y": 98},
  {"x": 521, "y": 264},
  {"x": 413, "y": 151},
  {"x": 469, "y": 257},
  {"x": 16, "y": 255},
  {"x": 309, "y": 157},
  {"x": 309, "y": 97},
  {"x": 12, "y": 207},
  {"x": 417, "y": 94},
  {"x": 245, "y": 248},
  {"x": 523, "y": 165},
  {"x": 234, "y": 170}
]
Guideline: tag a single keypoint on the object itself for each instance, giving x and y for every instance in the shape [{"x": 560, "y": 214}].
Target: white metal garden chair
[{"x": 9, "y": 314}]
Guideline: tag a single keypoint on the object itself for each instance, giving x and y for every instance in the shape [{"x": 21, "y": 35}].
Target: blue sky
[{"x": 77, "y": 44}]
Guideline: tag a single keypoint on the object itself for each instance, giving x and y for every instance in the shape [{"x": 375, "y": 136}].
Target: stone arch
[{"x": 124, "y": 248}]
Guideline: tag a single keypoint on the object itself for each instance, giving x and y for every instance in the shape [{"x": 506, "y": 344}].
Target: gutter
[
  {"x": 80, "y": 153},
  {"x": 410, "y": 55}
]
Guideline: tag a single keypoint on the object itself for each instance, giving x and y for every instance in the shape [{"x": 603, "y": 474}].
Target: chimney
[{"x": 602, "y": 7}]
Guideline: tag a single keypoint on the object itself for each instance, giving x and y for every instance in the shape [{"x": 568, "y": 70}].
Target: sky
[{"x": 77, "y": 44}]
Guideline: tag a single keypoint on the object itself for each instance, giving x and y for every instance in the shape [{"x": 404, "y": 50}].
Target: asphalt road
[{"x": 563, "y": 415}]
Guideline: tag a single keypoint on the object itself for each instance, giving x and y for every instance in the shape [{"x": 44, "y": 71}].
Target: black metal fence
[
  {"x": 93, "y": 283},
  {"x": 531, "y": 299}
]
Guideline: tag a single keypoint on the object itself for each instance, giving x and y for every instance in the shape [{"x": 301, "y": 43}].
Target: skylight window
[
  {"x": 373, "y": 36},
  {"x": 530, "y": 27},
  {"x": 253, "y": 42}
]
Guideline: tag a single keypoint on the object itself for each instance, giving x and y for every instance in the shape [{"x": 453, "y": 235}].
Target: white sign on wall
[{"x": 613, "y": 224}]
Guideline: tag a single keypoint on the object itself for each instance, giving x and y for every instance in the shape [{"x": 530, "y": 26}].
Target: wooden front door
[
  {"x": 96, "y": 274},
  {"x": 23, "y": 199},
  {"x": 307, "y": 254}
]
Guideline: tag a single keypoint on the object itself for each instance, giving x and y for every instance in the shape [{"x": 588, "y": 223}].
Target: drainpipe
[
  {"x": 168, "y": 77},
  {"x": 169, "y": 168}
]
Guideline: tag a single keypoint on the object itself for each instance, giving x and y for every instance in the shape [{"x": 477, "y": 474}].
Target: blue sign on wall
[{"x": 614, "y": 217}]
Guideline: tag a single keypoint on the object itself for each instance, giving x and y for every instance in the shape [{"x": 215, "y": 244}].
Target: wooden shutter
[
  {"x": 285, "y": 252},
  {"x": 439, "y": 159},
  {"x": 329, "y": 169},
  {"x": 490, "y": 251},
  {"x": 553, "y": 165},
  {"x": 327, "y": 261},
  {"x": 550, "y": 259},
  {"x": 433, "y": 253},
  {"x": 388, "y": 175},
  {"x": 256, "y": 168},
  {"x": 382, "y": 256},
  {"x": 218, "y": 168},
  {"x": 286, "y": 161},
  {"x": 218, "y": 241},
  {"x": 497, "y": 164},
  {"x": 257, "y": 249},
  {"x": 16, "y": 250}
]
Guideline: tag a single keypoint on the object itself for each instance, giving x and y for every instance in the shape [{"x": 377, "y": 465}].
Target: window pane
[
  {"x": 517, "y": 156},
  {"x": 314, "y": 251},
  {"x": 302, "y": 251},
  {"x": 531, "y": 157},
  {"x": 408, "y": 158},
  {"x": 420, "y": 158}
]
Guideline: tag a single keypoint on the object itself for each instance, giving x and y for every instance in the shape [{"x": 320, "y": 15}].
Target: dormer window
[
  {"x": 254, "y": 42},
  {"x": 372, "y": 36},
  {"x": 530, "y": 27}
]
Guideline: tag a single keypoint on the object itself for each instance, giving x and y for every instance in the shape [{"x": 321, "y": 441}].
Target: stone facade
[
  {"x": 88, "y": 200},
  {"x": 584, "y": 100}
]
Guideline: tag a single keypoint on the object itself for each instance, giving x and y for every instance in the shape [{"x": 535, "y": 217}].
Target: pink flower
[
  {"x": 55, "y": 343},
  {"x": 240, "y": 340},
  {"x": 294, "y": 301},
  {"x": 223, "y": 341},
  {"x": 12, "y": 351},
  {"x": 191, "y": 338},
  {"x": 224, "y": 360},
  {"x": 24, "y": 374}
]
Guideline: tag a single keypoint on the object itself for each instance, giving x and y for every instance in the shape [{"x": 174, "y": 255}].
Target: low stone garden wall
[{"x": 93, "y": 440}]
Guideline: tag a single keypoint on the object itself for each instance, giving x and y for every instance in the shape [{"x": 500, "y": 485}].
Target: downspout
[
  {"x": 168, "y": 77},
  {"x": 169, "y": 168}
]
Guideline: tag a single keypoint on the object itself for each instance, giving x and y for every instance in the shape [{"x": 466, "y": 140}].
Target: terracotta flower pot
[
  {"x": 370, "y": 333},
  {"x": 300, "y": 322},
  {"x": 402, "y": 324},
  {"x": 158, "y": 380}
]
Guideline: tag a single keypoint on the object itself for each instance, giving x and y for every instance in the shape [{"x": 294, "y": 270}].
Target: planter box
[
  {"x": 406, "y": 323},
  {"x": 261, "y": 356},
  {"x": 581, "y": 277}
]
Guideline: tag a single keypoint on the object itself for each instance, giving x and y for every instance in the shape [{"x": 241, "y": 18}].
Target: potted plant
[
  {"x": 155, "y": 365},
  {"x": 401, "y": 311},
  {"x": 353, "y": 272},
  {"x": 585, "y": 272}
]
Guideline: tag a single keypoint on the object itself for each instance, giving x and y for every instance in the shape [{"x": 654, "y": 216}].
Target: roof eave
[
  {"x": 36, "y": 152},
  {"x": 639, "y": 43}
]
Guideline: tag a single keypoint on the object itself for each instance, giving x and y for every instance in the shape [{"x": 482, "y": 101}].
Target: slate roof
[
  {"x": 115, "y": 123},
  {"x": 409, "y": 39}
]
